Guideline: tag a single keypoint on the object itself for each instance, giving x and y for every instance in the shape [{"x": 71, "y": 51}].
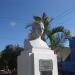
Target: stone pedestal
[
  {"x": 37, "y": 58},
  {"x": 38, "y": 61}
]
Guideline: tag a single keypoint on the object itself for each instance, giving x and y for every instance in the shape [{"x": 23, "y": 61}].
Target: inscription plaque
[{"x": 45, "y": 65}]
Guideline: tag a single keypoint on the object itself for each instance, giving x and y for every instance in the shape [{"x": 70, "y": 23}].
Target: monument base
[{"x": 38, "y": 62}]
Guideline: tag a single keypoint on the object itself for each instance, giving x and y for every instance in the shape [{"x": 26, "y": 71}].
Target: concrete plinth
[{"x": 39, "y": 61}]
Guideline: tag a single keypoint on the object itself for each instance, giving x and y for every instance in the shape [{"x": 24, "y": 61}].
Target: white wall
[{"x": 28, "y": 63}]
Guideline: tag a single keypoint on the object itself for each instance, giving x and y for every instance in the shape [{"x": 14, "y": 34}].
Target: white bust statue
[{"x": 34, "y": 40}]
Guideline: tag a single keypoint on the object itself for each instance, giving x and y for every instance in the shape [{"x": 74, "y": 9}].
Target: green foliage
[
  {"x": 9, "y": 57},
  {"x": 55, "y": 40},
  {"x": 37, "y": 18}
]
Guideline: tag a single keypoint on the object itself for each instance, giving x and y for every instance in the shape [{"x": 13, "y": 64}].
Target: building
[
  {"x": 72, "y": 46},
  {"x": 67, "y": 67}
]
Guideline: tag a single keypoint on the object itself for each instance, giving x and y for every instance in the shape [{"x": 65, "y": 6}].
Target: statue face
[
  {"x": 42, "y": 27},
  {"x": 38, "y": 29}
]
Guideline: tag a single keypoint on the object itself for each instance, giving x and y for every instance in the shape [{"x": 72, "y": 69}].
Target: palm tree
[{"x": 52, "y": 34}]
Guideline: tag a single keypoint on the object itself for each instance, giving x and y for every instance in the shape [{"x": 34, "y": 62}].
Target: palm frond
[
  {"x": 57, "y": 29},
  {"x": 44, "y": 16},
  {"x": 60, "y": 38},
  {"x": 55, "y": 40},
  {"x": 37, "y": 18},
  {"x": 27, "y": 26},
  {"x": 67, "y": 34},
  {"x": 46, "y": 19}
]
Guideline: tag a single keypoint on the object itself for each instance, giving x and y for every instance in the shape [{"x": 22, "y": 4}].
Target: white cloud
[{"x": 13, "y": 24}]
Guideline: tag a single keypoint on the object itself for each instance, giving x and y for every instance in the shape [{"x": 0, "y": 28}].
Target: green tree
[
  {"x": 52, "y": 34},
  {"x": 9, "y": 57}
]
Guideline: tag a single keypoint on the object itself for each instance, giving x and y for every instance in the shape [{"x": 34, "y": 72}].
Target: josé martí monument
[{"x": 37, "y": 58}]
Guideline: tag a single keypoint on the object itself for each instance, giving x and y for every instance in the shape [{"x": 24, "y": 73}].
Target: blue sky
[{"x": 16, "y": 14}]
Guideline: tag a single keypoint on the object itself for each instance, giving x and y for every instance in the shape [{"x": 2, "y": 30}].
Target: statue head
[{"x": 37, "y": 29}]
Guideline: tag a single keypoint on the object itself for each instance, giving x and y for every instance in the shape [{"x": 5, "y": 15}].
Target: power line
[
  {"x": 69, "y": 19},
  {"x": 63, "y": 14},
  {"x": 9, "y": 18}
]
